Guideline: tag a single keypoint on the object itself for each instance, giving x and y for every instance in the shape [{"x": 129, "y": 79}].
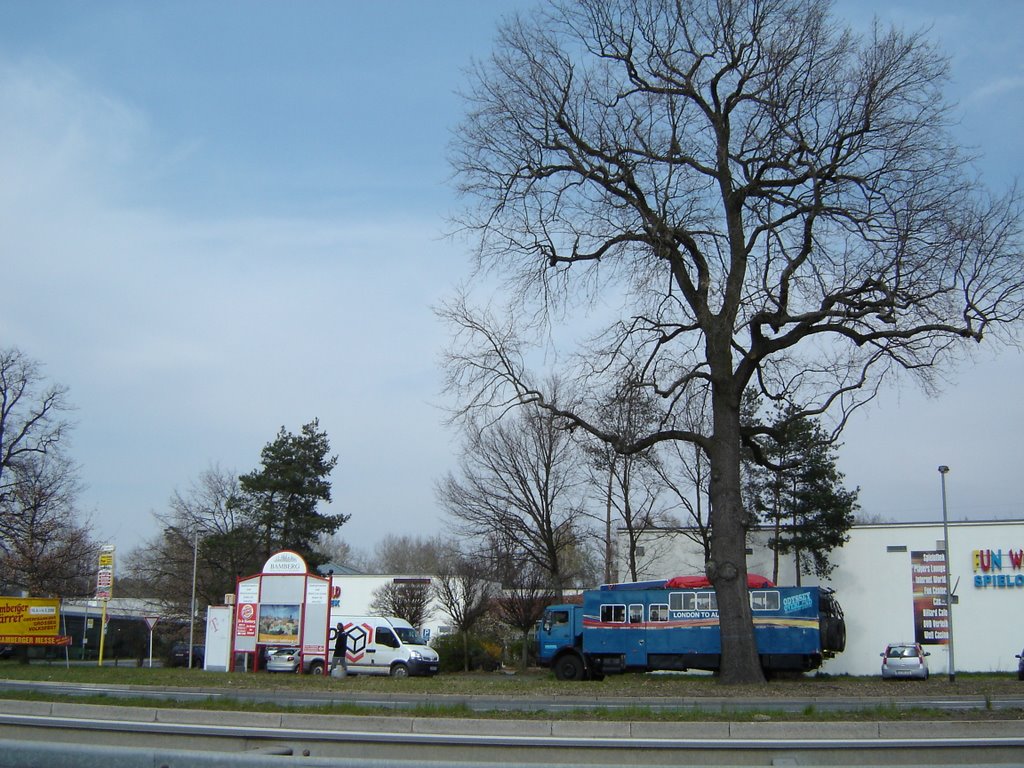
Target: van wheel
[
  {"x": 399, "y": 670},
  {"x": 316, "y": 668}
]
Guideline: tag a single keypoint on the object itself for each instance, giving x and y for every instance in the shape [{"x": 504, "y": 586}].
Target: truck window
[
  {"x": 658, "y": 612},
  {"x": 615, "y": 614},
  {"x": 636, "y": 613},
  {"x": 764, "y": 600}
]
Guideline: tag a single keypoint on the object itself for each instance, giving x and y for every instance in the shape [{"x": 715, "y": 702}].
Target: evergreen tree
[
  {"x": 800, "y": 495},
  {"x": 280, "y": 499}
]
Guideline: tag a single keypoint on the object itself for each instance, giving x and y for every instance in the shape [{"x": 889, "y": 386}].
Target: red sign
[{"x": 245, "y": 620}]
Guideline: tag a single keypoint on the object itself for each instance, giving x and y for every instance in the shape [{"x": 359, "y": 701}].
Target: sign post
[
  {"x": 104, "y": 590},
  {"x": 151, "y": 622}
]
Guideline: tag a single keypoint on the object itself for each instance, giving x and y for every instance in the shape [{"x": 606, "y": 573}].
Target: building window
[{"x": 896, "y": 548}]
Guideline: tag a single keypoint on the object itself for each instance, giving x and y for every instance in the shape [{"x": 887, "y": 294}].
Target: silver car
[
  {"x": 904, "y": 660},
  {"x": 287, "y": 659},
  {"x": 283, "y": 660}
]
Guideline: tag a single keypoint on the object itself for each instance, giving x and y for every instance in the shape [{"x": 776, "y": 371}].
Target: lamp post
[
  {"x": 945, "y": 551},
  {"x": 192, "y": 604}
]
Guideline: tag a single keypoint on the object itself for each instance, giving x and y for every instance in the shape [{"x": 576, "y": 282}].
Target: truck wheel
[
  {"x": 399, "y": 670},
  {"x": 570, "y": 667},
  {"x": 316, "y": 668}
]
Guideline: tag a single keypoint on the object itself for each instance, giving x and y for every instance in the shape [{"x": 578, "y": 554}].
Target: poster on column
[{"x": 931, "y": 615}]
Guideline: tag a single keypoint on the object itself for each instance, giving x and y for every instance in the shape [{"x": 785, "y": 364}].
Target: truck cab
[{"x": 559, "y": 641}]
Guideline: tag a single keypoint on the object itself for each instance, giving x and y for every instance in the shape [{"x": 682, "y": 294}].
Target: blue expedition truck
[{"x": 673, "y": 625}]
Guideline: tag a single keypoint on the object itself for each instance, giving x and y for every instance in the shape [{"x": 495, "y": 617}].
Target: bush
[{"x": 484, "y": 653}]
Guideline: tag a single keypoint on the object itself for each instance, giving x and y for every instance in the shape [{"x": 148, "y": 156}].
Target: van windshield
[{"x": 409, "y": 636}]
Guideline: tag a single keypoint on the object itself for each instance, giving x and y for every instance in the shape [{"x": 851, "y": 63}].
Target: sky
[{"x": 220, "y": 219}]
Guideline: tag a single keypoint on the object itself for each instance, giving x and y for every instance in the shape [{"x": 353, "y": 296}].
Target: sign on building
[{"x": 931, "y": 614}]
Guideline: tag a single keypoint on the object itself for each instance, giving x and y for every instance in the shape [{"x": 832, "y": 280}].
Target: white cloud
[{"x": 999, "y": 88}]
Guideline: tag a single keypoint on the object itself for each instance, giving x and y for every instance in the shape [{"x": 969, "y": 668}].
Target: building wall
[{"x": 872, "y": 581}]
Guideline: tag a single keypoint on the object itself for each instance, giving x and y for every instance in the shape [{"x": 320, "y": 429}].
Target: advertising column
[{"x": 931, "y": 614}]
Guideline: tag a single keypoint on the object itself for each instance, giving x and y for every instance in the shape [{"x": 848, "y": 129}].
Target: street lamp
[
  {"x": 945, "y": 550},
  {"x": 192, "y": 605}
]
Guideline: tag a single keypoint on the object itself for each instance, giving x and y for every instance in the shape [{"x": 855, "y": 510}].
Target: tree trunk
[
  {"x": 727, "y": 568},
  {"x": 608, "y": 527}
]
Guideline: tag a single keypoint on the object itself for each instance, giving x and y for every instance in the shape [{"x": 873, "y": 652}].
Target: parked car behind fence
[{"x": 178, "y": 656}]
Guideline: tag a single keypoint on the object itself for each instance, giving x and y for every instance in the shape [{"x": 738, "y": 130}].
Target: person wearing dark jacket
[{"x": 340, "y": 643}]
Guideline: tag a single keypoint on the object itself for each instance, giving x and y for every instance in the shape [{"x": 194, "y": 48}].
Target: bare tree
[
  {"x": 776, "y": 203},
  {"x": 205, "y": 529},
  {"x": 44, "y": 547},
  {"x": 465, "y": 592},
  {"x": 519, "y": 482},
  {"x": 409, "y": 554},
  {"x": 631, "y": 483},
  {"x": 32, "y": 421},
  {"x": 336, "y": 550},
  {"x": 526, "y": 592},
  {"x": 405, "y": 598}
]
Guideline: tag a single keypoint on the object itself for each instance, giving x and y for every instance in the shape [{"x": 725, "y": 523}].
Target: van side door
[{"x": 386, "y": 648}]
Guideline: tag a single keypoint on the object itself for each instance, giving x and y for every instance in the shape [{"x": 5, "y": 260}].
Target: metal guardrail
[
  {"x": 34, "y": 754},
  {"x": 29, "y": 754}
]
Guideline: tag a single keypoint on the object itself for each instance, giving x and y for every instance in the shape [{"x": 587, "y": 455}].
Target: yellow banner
[{"x": 29, "y": 616}]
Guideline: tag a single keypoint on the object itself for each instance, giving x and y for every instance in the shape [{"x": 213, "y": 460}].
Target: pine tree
[
  {"x": 801, "y": 496},
  {"x": 280, "y": 499}
]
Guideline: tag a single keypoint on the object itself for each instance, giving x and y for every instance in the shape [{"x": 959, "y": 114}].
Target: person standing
[{"x": 340, "y": 647}]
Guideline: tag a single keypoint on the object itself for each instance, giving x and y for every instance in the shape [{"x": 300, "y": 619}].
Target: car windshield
[{"x": 409, "y": 636}]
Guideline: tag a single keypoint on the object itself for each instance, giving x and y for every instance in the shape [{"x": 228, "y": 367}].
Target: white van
[{"x": 384, "y": 645}]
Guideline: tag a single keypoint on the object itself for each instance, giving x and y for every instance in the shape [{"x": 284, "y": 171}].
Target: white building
[{"x": 875, "y": 579}]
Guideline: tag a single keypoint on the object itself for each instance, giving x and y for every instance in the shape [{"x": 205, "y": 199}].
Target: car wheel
[{"x": 399, "y": 670}]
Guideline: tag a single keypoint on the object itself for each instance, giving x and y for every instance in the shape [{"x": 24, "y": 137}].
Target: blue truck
[{"x": 647, "y": 626}]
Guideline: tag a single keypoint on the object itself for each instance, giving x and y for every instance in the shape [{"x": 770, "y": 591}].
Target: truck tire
[
  {"x": 317, "y": 667},
  {"x": 570, "y": 667},
  {"x": 399, "y": 670}
]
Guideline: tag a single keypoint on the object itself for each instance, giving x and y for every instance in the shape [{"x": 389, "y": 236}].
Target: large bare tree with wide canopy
[{"x": 774, "y": 202}]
